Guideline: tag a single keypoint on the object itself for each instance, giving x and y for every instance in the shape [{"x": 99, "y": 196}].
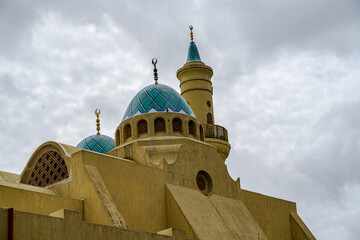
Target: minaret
[
  {"x": 195, "y": 84},
  {"x": 196, "y": 88}
]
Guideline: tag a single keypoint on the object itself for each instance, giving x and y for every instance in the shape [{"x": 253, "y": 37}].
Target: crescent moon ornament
[
  {"x": 154, "y": 61},
  {"x": 97, "y": 112}
]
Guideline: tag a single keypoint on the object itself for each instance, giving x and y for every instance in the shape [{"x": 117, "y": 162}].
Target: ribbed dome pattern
[
  {"x": 157, "y": 98},
  {"x": 97, "y": 143}
]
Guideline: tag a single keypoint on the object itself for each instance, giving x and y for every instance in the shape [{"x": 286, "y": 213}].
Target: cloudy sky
[{"x": 286, "y": 86}]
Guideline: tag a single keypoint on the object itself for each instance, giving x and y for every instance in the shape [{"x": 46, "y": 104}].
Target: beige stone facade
[{"x": 166, "y": 178}]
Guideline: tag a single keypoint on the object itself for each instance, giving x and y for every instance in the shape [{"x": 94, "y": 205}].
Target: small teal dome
[
  {"x": 97, "y": 143},
  {"x": 157, "y": 98},
  {"x": 193, "y": 53}
]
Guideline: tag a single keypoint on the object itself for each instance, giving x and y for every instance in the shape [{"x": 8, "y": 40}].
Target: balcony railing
[{"x": 216, "y": 131}]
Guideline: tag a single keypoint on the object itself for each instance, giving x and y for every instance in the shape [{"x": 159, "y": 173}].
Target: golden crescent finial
[
  {"x": 97, "y": 113},
  {"x": 191, "y": 33},
  {"x": 154, "y": 61}
]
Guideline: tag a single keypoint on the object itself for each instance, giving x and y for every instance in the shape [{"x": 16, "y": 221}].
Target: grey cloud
[
  {"x": 15, "y": 19},
  {"x": 261, "y": 29},
  {"x": 330, "y": 155},
  {"x": 279, "y": 67}
]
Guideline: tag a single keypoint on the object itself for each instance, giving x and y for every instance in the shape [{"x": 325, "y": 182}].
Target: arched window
[
  {"x": 49, "y": 168},
  {"x": 127, "y": 131},
  {"x": 210, "y": 119},
  {"x": 201, "y": 133},
  {"x": 177, "y": 125},
  {"x": 117, "y": 137},
  {"x": 192, "y": 128},
  {"x": 142, "y": 127},
  {"x": 159, "y": 125}
]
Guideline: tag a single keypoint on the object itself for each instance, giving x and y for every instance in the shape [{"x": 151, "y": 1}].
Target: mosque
[{"x": 163, "y": 176}]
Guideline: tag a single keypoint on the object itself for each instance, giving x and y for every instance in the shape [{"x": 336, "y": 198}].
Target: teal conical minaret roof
[{"x": 193, "y": 53}]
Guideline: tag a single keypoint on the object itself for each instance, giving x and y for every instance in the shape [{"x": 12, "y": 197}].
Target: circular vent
[{"x": 204, "y": 182}]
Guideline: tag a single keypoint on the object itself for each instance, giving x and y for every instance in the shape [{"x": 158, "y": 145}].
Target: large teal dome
[
  {"x": 97, "y": 143},
  {"x": 157, "y": 98}
]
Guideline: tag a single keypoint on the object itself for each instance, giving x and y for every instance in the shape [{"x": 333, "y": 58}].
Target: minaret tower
[
  {"x": 196, "y": 88},
  {"x": 195, "y": 84}
]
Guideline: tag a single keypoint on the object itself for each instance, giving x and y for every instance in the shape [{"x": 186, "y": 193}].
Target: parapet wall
[
  {"x": 274, "y": 216},
  {"x": 69, "y": 225}
]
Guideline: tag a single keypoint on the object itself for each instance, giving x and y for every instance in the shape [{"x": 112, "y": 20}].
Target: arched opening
[
  {"x": 48, "y": 169},
  {"x": 142, "y": 127},
  {"x": 201, "y": 133},
  {"x": 117, "y": 137},
  {"x": 192, "y": 128},
  {"x": 159, "y": 125},
  {"x": 210, "y": 119},
  {"x": 177, "y": 125},
  {"x": 127, "y": 131}
]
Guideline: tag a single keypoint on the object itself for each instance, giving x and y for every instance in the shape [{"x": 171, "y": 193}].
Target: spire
[
  {"x": 154, "y": 61},
  {"x": 193, "y": 53},
  {"x": 97, "y": 113},
  {"x": 191, "y": 33}
]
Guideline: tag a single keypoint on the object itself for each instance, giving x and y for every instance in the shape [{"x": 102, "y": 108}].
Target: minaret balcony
[
  {"x": 218, "y": 137},
  {"x": 216, "y": 131}
]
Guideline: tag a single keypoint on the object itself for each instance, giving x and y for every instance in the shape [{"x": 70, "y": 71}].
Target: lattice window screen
[
  {"x": 127, "y": 131},
  {"x": 191, "y": 128},
  {"x": 49, "y": 168},
  {"x": 201, "y": 182},
  {"x": 142, "y": 127},
  {"x": 159, "y": 125},
  {"x": 201, "y": 133},
  {"x": 177, "y": 125}
]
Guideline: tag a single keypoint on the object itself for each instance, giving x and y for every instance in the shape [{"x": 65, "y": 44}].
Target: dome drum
[{"x": 158, "y": 124}]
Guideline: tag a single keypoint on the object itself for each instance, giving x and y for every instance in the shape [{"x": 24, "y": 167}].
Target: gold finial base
[
  {"x": 154, "y": 61},
  {"x": 97, "y": 113},
  {"x": 191, "y": 33}
]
